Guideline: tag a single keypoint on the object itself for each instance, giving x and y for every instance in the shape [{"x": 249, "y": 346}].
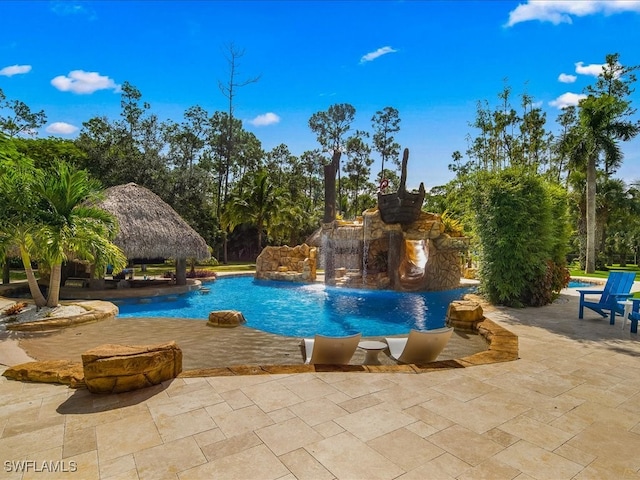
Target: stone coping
[
  {"x": 95, "y": 310},
  {"x": 502, "y": 347}
]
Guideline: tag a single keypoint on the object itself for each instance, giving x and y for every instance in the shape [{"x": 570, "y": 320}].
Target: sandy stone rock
[
  {"x": 226, "y": 318},
  {"x": 51, "y": 371},
  {"x": 122, "y": 368},
  {"x": 296, "y": 264},
  {"x": 464, "y": 314}
]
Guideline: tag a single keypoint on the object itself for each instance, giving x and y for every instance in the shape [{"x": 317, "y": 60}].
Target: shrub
[
  {"x": 14, "y": 309},
  {"x": 523, "y": 235},
  {"x": 202, "y": 274}
]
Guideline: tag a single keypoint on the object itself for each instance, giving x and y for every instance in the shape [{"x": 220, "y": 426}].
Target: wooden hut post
[{"x": 181, "y": 271}]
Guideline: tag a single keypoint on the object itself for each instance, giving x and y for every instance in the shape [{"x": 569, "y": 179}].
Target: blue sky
[{"x": 431, "y": 60}]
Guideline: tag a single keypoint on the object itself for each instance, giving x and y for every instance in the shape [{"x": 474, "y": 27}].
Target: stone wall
[{"x": 295, "y": 264}]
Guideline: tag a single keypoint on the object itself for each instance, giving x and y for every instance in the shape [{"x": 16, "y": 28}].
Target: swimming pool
[
  {"x": 581, "y": 284},
  {"x": 302, "y": 310}
]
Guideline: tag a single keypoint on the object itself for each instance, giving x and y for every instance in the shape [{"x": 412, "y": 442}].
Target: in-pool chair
[
  {"x": 617, "y": 289},
  {"x": 420, "y": 346},
  {"x": 330, "y": 350}
]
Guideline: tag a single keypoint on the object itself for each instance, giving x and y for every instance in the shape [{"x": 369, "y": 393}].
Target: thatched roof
[{"x": 149, "y": 227}]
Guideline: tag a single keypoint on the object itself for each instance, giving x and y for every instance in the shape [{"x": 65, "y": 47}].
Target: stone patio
[{"x": 568, "y": 408}]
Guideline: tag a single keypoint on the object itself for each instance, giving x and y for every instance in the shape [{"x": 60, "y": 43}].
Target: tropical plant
[
  {"x": 519, "y": 239},
  {"x": 257, "y": 207},
  {"x": 20, "y": 211},
  {"x": 72, "y": 227},
  {"x": 602, "y": 123}
]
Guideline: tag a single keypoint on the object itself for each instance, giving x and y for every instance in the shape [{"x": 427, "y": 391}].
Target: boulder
[
  {"x": 50, "y": 371},
  {"x": 122, "y": 368},
  {"x": 226, "y": 318},
  {"x": 464, "y": 314},
  {"x": 287, "y": 263}
]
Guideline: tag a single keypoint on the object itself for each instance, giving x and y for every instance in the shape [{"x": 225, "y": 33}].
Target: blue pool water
[
  {"x": 581, "y": 284},
  {"x": 302, "y": 310}
]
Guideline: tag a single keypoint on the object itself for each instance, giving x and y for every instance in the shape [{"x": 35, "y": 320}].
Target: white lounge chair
[
  {"x": 330, "y": 350},
  {"x": 419, "y": 346}
]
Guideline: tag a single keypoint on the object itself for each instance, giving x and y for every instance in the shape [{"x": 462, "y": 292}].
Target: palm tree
[
  {"x": 258, "y": 206},
  {"x": 596, "y": 135},
  {"x": 73, "y": 227},
  {"x": 18, "y": 204}
]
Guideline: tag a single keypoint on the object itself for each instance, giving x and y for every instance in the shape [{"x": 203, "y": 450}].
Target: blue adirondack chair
[
  {"x": 617, "y": 289},
  {"x": 634, "y": 316}
]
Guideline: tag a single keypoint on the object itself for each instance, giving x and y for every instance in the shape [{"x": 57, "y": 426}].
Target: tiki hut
[{"x": 150, "y": 228}]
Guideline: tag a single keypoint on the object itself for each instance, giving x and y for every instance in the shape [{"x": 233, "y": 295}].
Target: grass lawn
[
  {"x": 159, "y": 269},
  {"x": 577, "y": 272}
]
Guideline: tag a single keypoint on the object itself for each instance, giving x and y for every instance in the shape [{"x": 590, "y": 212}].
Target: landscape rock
[
  {"x": 464, "y": 314},
  {"x": 122, "y": 368},
  {"x": 226, "y": 318},
  {"x": 50, "y": 371}
]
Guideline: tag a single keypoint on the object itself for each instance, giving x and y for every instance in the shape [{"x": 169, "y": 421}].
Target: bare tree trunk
[
  {"x": 181, "y": 271},
  {"x": 590, "y": 254},
  {"x": 330, "y": 187}
]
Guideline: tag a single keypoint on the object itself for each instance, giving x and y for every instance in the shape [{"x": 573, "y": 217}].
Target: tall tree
[
  {"x": 385, "y": 123},
  {"x": 312, "y": 167},
  {"x": 233, "y": 55},
  {"x": 603, "y": 121},
  {"x": 562, "y": 147},
  {"x": 330, "y": 128},
  {"x": 16, "y": 117},
  {"x": 358, "y": 166}
]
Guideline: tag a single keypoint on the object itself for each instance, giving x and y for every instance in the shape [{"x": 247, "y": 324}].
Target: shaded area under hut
[{"x": 150, "y": 228}]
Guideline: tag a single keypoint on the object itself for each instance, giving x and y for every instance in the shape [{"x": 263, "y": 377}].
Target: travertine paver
[{"x": 567, "y": 409}]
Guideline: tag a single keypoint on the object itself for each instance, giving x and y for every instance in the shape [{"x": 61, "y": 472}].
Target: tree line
[
  {"x": 239, "y": 197},
  {"x": 582, "y": 157},
  {"x": 214, "y": 172}
]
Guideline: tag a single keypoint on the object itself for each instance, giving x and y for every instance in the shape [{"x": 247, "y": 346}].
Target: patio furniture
[
  {"x": 330, "y": 350},
  {"x": 372, "y": 348},
  {"x": 633, "y": 315},
  {"x": 615, "y": 290},
  {"x": 420, "y": 346}
]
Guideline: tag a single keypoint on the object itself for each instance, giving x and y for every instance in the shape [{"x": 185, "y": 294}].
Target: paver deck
[{"x": 568, "y": 408}]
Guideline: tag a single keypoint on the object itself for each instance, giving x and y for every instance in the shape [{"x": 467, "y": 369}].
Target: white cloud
[
  {"x": 594, "y": 69},
  {"x": 566, "y": 78},
  {"x": 562, "y": 11},
  {"x": 567, "y": 99},
  {"x": 67, "y": 8},
  {"x": 81, "y": 82},
  {"x": 61, "y": 128},
  {"x": 369, "y": 57},
  {"x": 15, "y": 70},
  {"x": 264, "y": 120}
]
